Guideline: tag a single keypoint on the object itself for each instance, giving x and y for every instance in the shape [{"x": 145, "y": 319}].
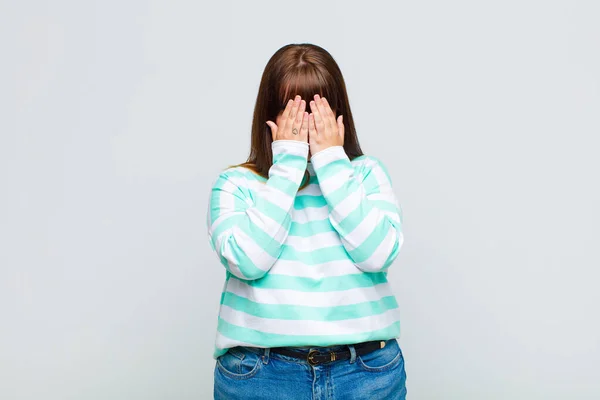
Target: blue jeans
[{"x": 251, "y": 373}]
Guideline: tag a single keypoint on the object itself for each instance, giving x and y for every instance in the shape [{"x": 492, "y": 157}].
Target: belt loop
[
  {"x": 352, "y": 353},
  {"x": 266, "y": 355}
]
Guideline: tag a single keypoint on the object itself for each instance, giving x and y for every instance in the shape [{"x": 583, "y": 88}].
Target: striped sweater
[{"x": 305, "y": 267}]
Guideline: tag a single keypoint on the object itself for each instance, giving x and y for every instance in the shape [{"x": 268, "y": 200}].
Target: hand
[
  {"x": 293, "y": 123},
  {"x": 323, "y": 129}
]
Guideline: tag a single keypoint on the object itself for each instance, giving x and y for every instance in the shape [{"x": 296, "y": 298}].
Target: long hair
[{"x": 305, "y": 69}]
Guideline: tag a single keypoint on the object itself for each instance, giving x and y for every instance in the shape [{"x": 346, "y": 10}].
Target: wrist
[
  {"x": 287, "y": 146},
  {"x": 328, "y": 155}
]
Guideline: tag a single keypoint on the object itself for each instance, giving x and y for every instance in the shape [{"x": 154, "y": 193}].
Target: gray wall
[{"x": 117, "y": 116}]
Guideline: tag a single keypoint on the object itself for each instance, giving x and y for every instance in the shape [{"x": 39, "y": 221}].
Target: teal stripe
[
  {"x": 254, "y": 232},
  {"x": 291, "y": 160},
  {"x": 370, "y": 184},
  {"x": 352, "y": 220},
  {"x": 313, "y": 257},
  {"x": 215, "y": 197},
  {"x": 332, "y": 283},
  {"x": 332, "y": 168},
  {"x": 263, "y": 205},
  {"x": 261, "y": 238},
  {"x": 307, "y": 201},
  {"x": 381, "y": 166},
  {"x": 391, "y": 258},
  {"x": 243, "y": 173},
  {"x": 284, "y": 184},
  {"x": 228, "y": 223},
  {"x": 368, "y": 247},
  {"x": 264, "y": 339},
  {"x": 350, "y": 188},
  {"x": 271, "y": 210},
  {"x": 385, "y": 205},
  {"x": 310, "y": 228},
  {"x": 293, "y": 312},
  {"x": 245, "y": 264}
]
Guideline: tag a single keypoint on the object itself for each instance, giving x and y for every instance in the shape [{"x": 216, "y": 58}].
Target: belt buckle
[{"x": 311, "y": 354}]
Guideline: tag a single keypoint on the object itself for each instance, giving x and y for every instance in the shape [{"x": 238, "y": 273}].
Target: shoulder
[
  {"x": 371, "y": 165},
  {"x": 236, "y": 177}
]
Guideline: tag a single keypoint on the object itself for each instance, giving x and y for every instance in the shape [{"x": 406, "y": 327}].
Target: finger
[
  {"x": 312, "y": 128},
  {"x": 287, "y": 125},
  {"x": 273, "y": 129},
  {"x": 328, "y": 115},
  {"x": 300, "y": 113},
  {"x": 295, "y": 106},
  {"x": 321, "y": 107},
  {"x": 322, "y": 120},
  {"x": 286, "y": 111},
  {"x": 340, "y": 122},
  {"x": 316, "y": 115},
  {"x": 327, "y": 108},
  {"x": 304, "y": 128}
]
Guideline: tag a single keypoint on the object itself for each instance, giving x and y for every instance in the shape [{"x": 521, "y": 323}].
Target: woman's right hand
[{"x": 293, "y": 123}]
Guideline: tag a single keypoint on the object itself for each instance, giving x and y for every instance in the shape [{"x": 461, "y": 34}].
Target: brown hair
[{"x": 305, "y": 69}]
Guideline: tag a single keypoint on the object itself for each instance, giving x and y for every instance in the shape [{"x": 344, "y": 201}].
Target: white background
[{"x": 116, "y": 116}]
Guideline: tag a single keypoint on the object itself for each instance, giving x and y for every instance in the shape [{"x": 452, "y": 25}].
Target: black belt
[{"x": 315, "y": 357}]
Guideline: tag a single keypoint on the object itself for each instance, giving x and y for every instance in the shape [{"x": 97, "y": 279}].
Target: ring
[{"x": 295, "y": 131}]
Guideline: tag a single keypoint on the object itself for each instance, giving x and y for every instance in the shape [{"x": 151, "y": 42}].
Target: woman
[{"x": 306, "y": 230}]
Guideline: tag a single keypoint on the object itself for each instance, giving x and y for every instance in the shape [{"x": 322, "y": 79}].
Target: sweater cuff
[
  {"x": 328, "y": 155},
  {"x": 292, "y": 147}
]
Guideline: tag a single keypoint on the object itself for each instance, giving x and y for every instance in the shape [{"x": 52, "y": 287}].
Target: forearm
[
  {"x": 369, "y": 225},
  {"x": 249, "y": 232}
]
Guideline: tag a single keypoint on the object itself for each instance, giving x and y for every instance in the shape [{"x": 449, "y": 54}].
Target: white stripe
[
  {"x": 318, "y": 271},
  {"x": 313, "y": 299},
  {"x": 292, "y": 173},
  {"x": 310, "y": 214},
  {"x": 381, "y": 254},
  {"x": 262, "y": 221},
  {"x": 224, "y": 342},
  {"x": 362, "y": 231},
  {"x": 379, "y": 175},
  {"x": 288, "y": 146},
  {"x": 349, "y": 204},
  {"x": 335, "y": 181},
  {"x": 308, "y": 327},
  {"x": 272, "y": 195},
  {"x": 312, "y": 189},
  {"x": 314, "y": 242},
  {"x": 378, "y": 197},
  {"x": 260, "y": 258},
  {"x": 235, "y": 269},
  {"x": 267, "y": 225}
]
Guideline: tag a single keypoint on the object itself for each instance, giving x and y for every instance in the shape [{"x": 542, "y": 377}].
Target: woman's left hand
[{"x": 323, "y": 129}]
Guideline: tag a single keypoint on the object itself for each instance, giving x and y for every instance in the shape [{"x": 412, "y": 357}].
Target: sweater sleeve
[
  {"x": 362, "y": 208},
  {"x": 247, "y": 226}
]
